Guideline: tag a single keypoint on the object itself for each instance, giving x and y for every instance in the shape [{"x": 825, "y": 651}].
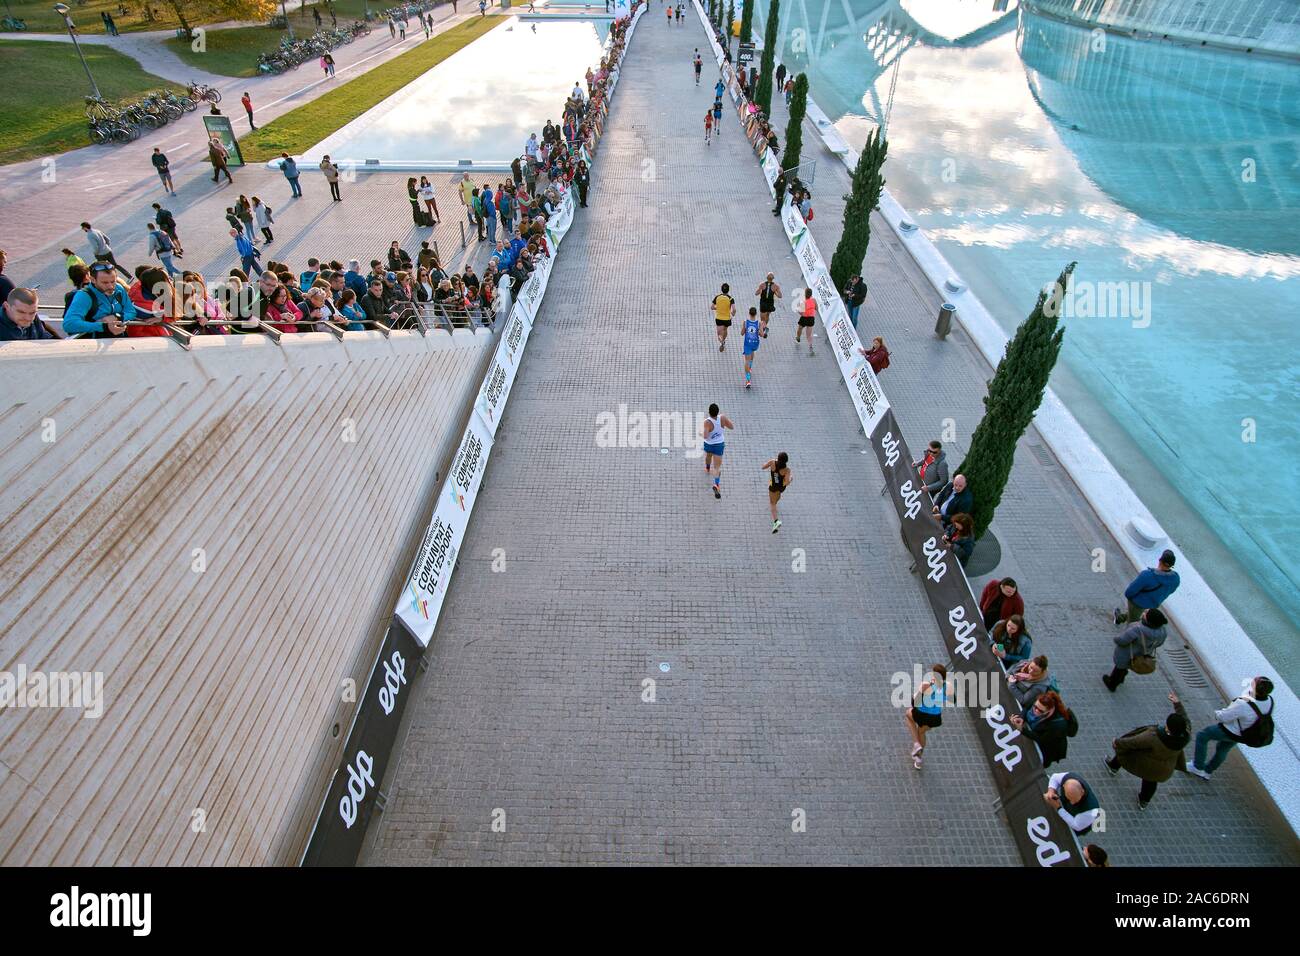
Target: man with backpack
[
  {"x": 1247, "y": 720},
  {"x": 160, "y": 244},
  {"x": 101, "y": 308},
  {"x": 1135, "y": 647}
]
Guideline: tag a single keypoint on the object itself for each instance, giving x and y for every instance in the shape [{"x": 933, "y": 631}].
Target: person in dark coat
[
  {"x": 1000, "y": 600},
  {"x": 1050, "y": 724},
  {"x": 1152, "y": 753},
  {"x": 1137, "y": 639},
  {"x": 954, "y": 498}
]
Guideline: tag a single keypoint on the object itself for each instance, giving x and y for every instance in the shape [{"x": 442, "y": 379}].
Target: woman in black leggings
[{"x": 779, "y": 470}]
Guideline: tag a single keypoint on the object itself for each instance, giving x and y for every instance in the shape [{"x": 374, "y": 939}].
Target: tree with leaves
[
  {"x": 731, "y": 18},
  {"x": 211, "y": 11},
  {"x": 763, "y": 88},
  {"x": 747, "y": 21},
  {"x": 868, "y": 182},
  {"x": 794, "y": 128},
  {"x": 1013, "y": 397}
]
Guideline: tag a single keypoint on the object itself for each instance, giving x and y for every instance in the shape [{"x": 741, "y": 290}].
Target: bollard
[
  {"x": 463, "y": 243},
  {"x": 943, "y": 326}
]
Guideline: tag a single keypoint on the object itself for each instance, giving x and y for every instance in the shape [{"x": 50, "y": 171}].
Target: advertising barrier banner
[
  {"x": 350, "y": 801},
  {"x": 1040, "y": 834},
  {"x": 771, "y": 168},
  {"x": 501, "y": 373}
]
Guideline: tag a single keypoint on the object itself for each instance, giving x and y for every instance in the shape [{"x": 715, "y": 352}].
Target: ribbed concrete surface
[{"x": 221, "y": 686}]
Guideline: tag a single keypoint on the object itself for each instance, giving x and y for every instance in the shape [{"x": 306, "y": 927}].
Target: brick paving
[{"x": 618, "y": 560}]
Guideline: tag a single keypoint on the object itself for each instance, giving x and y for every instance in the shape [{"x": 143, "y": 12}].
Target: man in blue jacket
[
  {"x": 101, "y": 308},
  {"x": 1149, "y": 589}
]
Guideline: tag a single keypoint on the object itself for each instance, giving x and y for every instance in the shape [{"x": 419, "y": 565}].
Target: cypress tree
[
  {"x": 763, "y": 88},
  {"x": 794, "y": 128},
  {"x": 747, "y": 21},
  {"x": 1014, "y": 396},
  {"x": 731, "y": 18},
  {"x": 713, "y": 10},
  {"x": 867, "y": 185}
]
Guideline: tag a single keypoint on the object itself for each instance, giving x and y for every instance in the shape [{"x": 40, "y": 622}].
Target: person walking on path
[
  {"x": 160, "y": 245},
  {"x": 331, "y": 172},
  {"x": 262, "y": 219},
  {"x": 582, "y": 179},
  {"x": 1247, "y": 720},
  {"x": 724, "y": 310},
  {"x": 1151, "y": 588},
  {"x": 1152, "y": 753},
  {"x": 780, "y": 76},
  {"x": 244, "y": 213},
  {"x": 289, "y": 166},
  {"x": 327, "y": 64},
  {"x": 248, "y": 108},
  {"x": 855, "y": 293},
  {"x": 489, "y": 212},
  {"x": 167, "y": 222},
  {"x": 102, "y": 247},
  {"x": 715, "y": 440},
  {"x": 1074, "y": 801},
  {"x": 1134, "y": 648},
  {"x": 392, "y": 27},
  {"x": 749, "y": 346},
  {"x": 768, "y": 292},
  {"x": 926, "y": 712},
  {"x": 778, "y": 469},
  {"x": 247, "y": 252},
  {"x": 482, "y": 7},
  {"x": 217, "y": 156},
  {"x": 163, "y": 166},
  {"x": 807, "y": 319}
]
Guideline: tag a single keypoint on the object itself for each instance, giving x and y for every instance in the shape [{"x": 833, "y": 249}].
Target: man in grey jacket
[
  {"x": 933, "y": 468},
  {"x": 290, "y": 170},
  {"x": 1136, "y": 639},
  {"x": 102, "y": 247}
]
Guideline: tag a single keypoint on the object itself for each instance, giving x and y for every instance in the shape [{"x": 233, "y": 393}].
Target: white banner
[
  {"x": 771, "y": 168},
  {"x": 501, "y": 373},
  {"x": 426, "y": 589}
]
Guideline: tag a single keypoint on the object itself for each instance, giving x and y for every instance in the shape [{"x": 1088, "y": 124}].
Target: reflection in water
[
  {"x": 483, "y": 101},
  {"x": 1018, "y": 147}
]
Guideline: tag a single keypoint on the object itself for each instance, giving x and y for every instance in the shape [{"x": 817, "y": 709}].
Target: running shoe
[
  {"x": 916, "y": 761},
  {"x": 776, "y": 525},
  {"x": 717, "y": 492}
]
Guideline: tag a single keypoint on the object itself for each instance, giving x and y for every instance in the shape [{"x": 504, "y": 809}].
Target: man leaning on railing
[{"x": 18, "y": 319}]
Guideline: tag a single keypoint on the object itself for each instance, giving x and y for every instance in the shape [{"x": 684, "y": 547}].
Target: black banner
[
  {"x": 1041, "y": 835},
  {"x": 350, "y": 800},
  {"x": 744, "y": 55}
]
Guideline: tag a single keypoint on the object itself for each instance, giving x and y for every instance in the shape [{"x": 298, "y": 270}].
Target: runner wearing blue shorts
[
  {"x": 714, "y": 443},
  {"x": 750, "y": 345}
]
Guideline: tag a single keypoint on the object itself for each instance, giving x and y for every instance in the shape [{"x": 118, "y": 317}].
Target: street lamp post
[{"x": 62, "y": 10}]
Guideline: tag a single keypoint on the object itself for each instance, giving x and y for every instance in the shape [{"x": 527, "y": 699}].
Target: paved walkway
[
  {"x": 618, "y": 561},
  {"x": 43, "y": 203}
]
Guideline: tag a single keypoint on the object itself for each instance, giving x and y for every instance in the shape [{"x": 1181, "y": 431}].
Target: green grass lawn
[
  {"x": 231, "y": 52},
  {"x": 299, "y": 129},
  {"x": 42, "y": 111},
  {"x": 41, "y": 18}
]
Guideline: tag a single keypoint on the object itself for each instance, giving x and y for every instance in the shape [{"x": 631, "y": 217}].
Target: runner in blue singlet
[
  {"x": 750, "y": 345},
  {"x": 714, "y": 442}
]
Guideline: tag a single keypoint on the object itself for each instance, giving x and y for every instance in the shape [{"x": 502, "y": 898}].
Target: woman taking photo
[
  {"x": 199, "y": 306},
  {"x": 397, "y": 257},
  {"x": 430, "y": 201},
  {"x": 1050, "y": 724},
  {"x": 1011, "y": 643},
  {"x": 278, "y": 310}
]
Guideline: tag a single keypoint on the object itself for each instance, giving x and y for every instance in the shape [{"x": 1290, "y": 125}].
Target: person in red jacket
[
  {"x": 877, "y": 355},
  {"x": 1000, "y": 600},
  {"x": 155, "y": 301}
]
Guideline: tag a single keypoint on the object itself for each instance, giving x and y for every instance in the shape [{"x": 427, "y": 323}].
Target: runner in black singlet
[
  {"x": 768, "y": 292},
  {"x": 781, "y": 479}
]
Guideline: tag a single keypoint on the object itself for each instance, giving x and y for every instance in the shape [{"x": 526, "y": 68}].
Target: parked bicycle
[{"x": 202, "y": 93}]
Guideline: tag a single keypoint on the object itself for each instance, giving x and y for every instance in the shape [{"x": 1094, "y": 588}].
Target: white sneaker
[{"x": 1196, "y": 771}]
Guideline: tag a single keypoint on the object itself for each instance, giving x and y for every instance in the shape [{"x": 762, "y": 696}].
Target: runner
[
  {"x": 767, "y": 294},
  {"x": 717, "y": 117},
  {"x": 670, "y": 16},
  {"x": 781, "y": 479},
  {"x": 714, "y": 442},
  {"x": 679, "y": 13},
  {"x": 926, "y": 711},
  {"x": 724, "y": 310},
  {"x": 699, "y": 65},
  {"x": 807, "y": 319},
  {"x": 708, "y": 127},
  {"x": 750, "y": 345},
  {"x": 718, "y": 89}
]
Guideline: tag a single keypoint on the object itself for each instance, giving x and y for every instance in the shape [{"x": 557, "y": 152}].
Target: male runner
[
  {"x": 717, "y": 117},
  {"x": 724, "y": 310},
  {"x": 718, "y": 89},
  {"x": 708, "y": 127},
  {"x": 699, "y": 65},
  {"x": 768, "y": 292},
  {"x": 714, "y": 442},
  {"x": 781, "y": 479},
  {"x": 750, "y": 345},
  {"x": 807, "y": 319}
]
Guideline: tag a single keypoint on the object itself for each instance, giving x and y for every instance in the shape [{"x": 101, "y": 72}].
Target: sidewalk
[
  {"x": 775, "y": 699},
  {"x": 98, "y": 183}
]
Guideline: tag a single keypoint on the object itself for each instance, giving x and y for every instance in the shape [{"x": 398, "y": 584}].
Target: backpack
[
  {"x": 164, "y": 242},
  {"x": 1260, "y": 733}
]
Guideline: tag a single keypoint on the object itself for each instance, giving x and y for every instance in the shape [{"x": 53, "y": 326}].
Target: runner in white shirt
[{"x": 714, "y": 442}]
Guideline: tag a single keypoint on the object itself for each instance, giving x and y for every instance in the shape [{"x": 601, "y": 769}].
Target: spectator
[
  {"x": 954, "y": 498},
  {"x": 354, "y": 280},
  {"x": 1073, "y": 800},
  {"x": 1000, "y": 600},
  {"x": 156, "y": 303},
  {"x": 102, "y": 247},
  {"x": 1152, "y": 753},
  {"x": 374, "y": 303},
  {"x": 402, "y": 301},
  {"x": 1029, "y": 679},
  {"x": 163, "y": 166},
  {"x": 102, "y": 308},
  {"x": 318, "y": 308},
  {"x": 70, "y": 259},
  {"x": 310, "y": 273},
  {"x": 19, "y": 321},
  {"x": 278, "y": 310},
  {"x": 1011, "y": 642},
  {"x": 877, "y": 356},
  {"x": 1050, "y": 724},
  {"x": 960, "y": 537},
  {"x": 398, "y": 259},
  {"x": 217, "y": 156},
  {"x": 855, "y": 293},
  {"x": 167, "y": 223},
  {"x": 933, "y": 468},
  {"x": 430, "y": 199},
  {"x": 198, "y": 305},
  {"x": 331, "y": 172},
  {"x": 1135, "y": 648},
  {"x": 1095, "y": 856},
  {"x": 289, "y": 167},
  {"x": 1151, "y": 588},
  {"x": 1247, "y": 720},
  {"x": 247, "y": 252},
  {"x": 160, "y": 244},
  {"x": 351, "y": 310},
  {"x": 79, "y": 276},
  {"x": 262, "y": 219}
]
